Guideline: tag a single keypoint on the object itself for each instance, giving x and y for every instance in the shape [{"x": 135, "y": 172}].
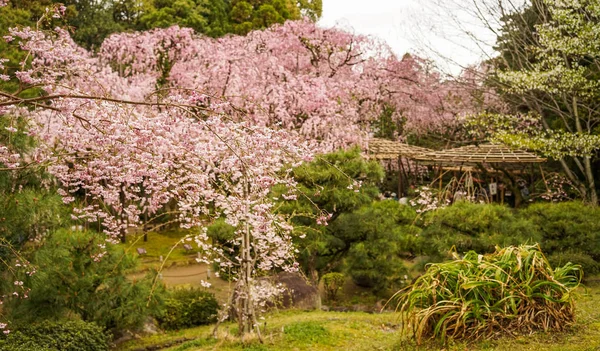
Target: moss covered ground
[{"x": 324, "y": 331}]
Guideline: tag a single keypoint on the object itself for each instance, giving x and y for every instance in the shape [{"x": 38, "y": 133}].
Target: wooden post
[
  {"x": 410, "y": 173},
  {"x": 441, "y": 175},
  {"x": 492, "y": 199},
  {"x": 400, "y": 178},
  {"x": 544, "y": 178},
  {"x": 405, "y": 177}
]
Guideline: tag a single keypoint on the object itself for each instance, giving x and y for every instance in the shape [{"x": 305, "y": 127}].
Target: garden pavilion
[
  {"x": 390, "y": 152},
  {"x": 492, "y": 161}
]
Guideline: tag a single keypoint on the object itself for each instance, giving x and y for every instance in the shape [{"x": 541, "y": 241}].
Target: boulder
[
  {"x": 150, "y": 326},
  {"x": 298, "y": 292}
]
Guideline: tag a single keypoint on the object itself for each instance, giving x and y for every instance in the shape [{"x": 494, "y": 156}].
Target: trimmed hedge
[
  {"x": 188, "y": 308},
  {"x": 466, "y": 226},
  {"x": 567, "y": 227},
  {"x": 588, "y": 264},
  {"x": 56, "y": 336},
  {"x": 566, "y": 232}
]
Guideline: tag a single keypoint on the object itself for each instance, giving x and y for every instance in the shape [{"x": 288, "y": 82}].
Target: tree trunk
[
  {"x": 587, "y": 165},
  {"x": 246, "y": 313},
  {"x": 589, "y": 175},
  {"x": 312, "y": 270},
  {"x": 123, "y": 236}
]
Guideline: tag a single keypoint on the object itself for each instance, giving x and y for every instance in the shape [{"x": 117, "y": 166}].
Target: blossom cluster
[
  {"x": 426, "y": 200},
  {"x": 326, "y": 83}
]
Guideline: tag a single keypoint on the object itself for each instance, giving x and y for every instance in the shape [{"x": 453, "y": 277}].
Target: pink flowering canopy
[
  {"x": 144, "y": 122},
  {"x": 327, "y": 84},
  {"x": 167, "y": 121},
  {"x": 127, "y": 157}
]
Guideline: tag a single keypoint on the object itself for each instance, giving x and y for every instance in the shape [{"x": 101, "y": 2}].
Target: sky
[{"x": 415, "y": 26}]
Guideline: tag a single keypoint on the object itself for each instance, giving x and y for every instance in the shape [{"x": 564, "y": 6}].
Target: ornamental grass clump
[{"x": 511, "y": 291}]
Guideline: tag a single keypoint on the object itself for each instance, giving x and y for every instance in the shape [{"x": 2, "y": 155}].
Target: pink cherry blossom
[{"x": 203, "y": 128}]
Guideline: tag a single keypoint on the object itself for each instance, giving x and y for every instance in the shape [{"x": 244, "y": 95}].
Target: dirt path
[{"x": 191, "y": 275}]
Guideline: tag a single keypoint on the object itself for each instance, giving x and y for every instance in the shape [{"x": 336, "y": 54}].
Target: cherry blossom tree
[
  {"x": 126, "y": 157},
  {"x": 329, "y": 84},
  {"x": 168, "y": 117}
]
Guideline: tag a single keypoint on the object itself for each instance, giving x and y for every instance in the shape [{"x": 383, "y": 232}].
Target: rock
[
  {"x": 299, "y": 293},
  {"x": 122, "y": 336},
  {"x": 340, "y": 309},
  {"x": 362, "y": 308},
  {"x": 325, "y": 308},
  {"x": 150, "y": 326}
]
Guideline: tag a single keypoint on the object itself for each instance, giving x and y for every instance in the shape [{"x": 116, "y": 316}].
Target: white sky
[{"x": 416, "y": 26}]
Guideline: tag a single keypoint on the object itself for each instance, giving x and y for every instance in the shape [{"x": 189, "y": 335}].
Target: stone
[
  {"x": 122, "y": 336},
  {"x": 150, "y": 326},
  {"x": 298, "y": 293}
]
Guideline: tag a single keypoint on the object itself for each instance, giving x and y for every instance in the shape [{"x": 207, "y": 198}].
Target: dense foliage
[
  {"x": 93, "y": 21},
  {"x": 333, "y": 283},
  {"x": 26, "y": 216},
  {"x": 186, "y": 308},
  {"x": 29, "y": 205},
  {"x": 56, "y": 336},
  {"x": 378, "y": 237},
  {"x": 466, "y": 226},
  {"x": 548, "y": 73},
  {"x": 512, "y": 290},
  {"x": 569, "y": 231},
  {"x": 79, "y": 274},
  {"x": 330, "y": 186}
]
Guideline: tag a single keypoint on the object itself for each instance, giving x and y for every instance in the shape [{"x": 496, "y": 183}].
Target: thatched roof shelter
[
  {"x": 382, "y": 149},
  {"x": 474, "y": 154}
]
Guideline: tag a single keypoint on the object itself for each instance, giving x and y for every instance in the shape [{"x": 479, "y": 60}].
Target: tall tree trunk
[
  {"x": 245, "y": 304},
  {"x": 591, "y": 183},
  {"x": 587, "y": 164}
]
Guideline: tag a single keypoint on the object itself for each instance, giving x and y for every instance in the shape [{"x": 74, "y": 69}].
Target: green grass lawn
[
  {"x": 166, "y": 244},
  {"x": 300, "y": 330}
]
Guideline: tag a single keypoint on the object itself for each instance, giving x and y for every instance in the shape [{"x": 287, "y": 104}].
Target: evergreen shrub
[
  {"x": 187, "y": 308},
  {"x": 72, "y": 335}
]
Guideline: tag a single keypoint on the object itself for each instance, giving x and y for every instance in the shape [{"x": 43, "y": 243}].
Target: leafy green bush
[
  {"x": 56, "y": 336},
  {"x": 572, "y": 226},
  {"x": 188, "y": 308},
  {"x": 466, "y": 226},
  {"x": 76, "y": 274},
  {"x": 333, "y": 283},
  {"x": 563, "y": 230},
  {"x": 379, "y": 236},
  {"x": 512, "y": 290}
]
